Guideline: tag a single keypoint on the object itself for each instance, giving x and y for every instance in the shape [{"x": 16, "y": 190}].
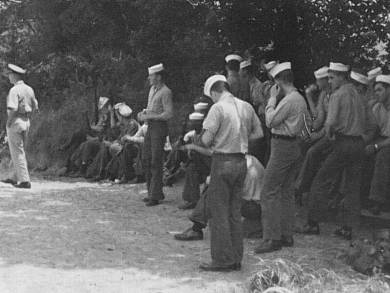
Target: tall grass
[{"x": 283, "y": 276}]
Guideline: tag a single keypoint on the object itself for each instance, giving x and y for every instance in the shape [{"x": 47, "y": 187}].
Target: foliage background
[{"x": 78, "y": 50}]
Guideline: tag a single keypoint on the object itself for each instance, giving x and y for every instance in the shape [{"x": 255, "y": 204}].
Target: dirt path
[{"x": 84, "y": 237}]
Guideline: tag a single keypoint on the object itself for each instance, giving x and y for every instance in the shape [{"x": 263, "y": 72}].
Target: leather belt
[{"x": 285, "y": 137}]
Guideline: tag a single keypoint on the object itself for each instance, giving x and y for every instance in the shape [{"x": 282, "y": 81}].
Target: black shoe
[
  {"x": 344, "y": 232},
  {"x": 187, "y": 205},
  {"x": 25, "y": 185},
  {"x": 189, "y": 235},
  {"x": 215, "y": 268},
  {"x": 268, "y": 246},
  {"x": 309, "y": 229},
  {"x": 146, "y": 199},
  {"x": 9, "y": 181},
  {"x": 152, "y": 203},
  {"x": 287, "y": 241}
]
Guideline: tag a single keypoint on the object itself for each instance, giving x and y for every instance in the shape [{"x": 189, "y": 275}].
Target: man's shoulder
[
  {"x": 166, "y": 89},
  {"x": 295, "y": 96},
  {"x": 347, "y": 89}
]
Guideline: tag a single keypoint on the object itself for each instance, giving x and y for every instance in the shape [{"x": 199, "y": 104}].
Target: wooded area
[{"x": 78, "y": 50}]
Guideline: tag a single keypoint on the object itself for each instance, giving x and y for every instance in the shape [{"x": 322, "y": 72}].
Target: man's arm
[
  {"x": 12, "y": 106},
  {"x": 275, "y": 116},
  {"x": 11, "y": 116},
  {"x": 210, "y": 126},
  {"x": 199, "y": 149},
  {"x": 333, "y": 113},
  {"x": 321, "y": 114},
  {"x": 256, "y": 129}
]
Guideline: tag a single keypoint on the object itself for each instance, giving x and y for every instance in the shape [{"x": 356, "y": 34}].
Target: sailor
[{"x": 21, "y": 103}]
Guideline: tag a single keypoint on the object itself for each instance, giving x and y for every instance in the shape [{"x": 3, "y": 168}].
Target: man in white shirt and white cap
[
  {"x": 228, "y": 127},
  {"x": 157, "y": 114},
  {"x": 345, "y": 126},
  {"x": 284, "y": 115},
  {"x": 21, "y": 103}
]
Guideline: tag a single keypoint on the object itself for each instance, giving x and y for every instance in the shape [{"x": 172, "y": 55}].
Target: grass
[{"x": 283, "y": 276}]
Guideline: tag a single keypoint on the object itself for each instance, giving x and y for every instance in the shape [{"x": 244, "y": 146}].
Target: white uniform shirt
[{"x": 21, "y": 98}]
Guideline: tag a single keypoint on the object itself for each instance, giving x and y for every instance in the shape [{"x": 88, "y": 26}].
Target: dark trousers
[
  {"x": 250, "y": 210},
  {"x": 315, "y": 155},
  {"x": 224, "y": 201},
  {"x": 277, "y": 200},
  {"x": 380, "y": 184},
  {"x": 126, "y": 161},
  {"x": 346, "y": 156},
  {"x": 154, "y": 157},
  {"x": 98, "y": 166},
  {"x": 196, "y": 173}
]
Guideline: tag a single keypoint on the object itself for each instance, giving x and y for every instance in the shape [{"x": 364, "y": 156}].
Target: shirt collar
[
  {"x": 19, "y": 82},
  {"x": 225, "y": 96}
]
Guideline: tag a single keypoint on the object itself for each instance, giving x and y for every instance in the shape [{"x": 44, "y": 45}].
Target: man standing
[
  {"x": 232, "y": 75},
  {"x": 21, "y": 103},
  {"x": 256, "y": 97},
  {"x": 284, "y": 115},
  {"x": 228, "y": 127},
  {"x": 157, "y": 114},
  {"x": 345, "y": 126},
  {"x": 380, "y": 184},
  {"x": 320, "y": 145}
]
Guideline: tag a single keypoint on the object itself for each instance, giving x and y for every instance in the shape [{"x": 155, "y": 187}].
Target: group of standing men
[{"x": 337, "y": 125}]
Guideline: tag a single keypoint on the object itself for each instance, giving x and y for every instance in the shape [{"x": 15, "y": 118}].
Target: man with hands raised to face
[{"x": 284, "y": 114}]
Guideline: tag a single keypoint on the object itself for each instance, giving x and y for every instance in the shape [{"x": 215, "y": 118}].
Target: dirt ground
[{"x": 76, "y": 236}]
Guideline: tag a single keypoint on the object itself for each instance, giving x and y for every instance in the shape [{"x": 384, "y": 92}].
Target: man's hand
[
  {"x": 275, "y": 91},
  {"x": 370, "y": 150},
  {"x": 329, "y": 132},
  {"x": 126, "y": 138}
]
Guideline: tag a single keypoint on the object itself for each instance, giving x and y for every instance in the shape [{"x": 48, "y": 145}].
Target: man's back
[
  {"x": 347, "y": 112},
  {"x": 232, "y": 121}
]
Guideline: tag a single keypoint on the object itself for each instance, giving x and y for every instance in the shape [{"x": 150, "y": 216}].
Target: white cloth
[{"x": 254, "y": 179}]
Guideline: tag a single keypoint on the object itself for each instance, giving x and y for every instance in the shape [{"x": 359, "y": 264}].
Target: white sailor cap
[
  {"x": 123, "y": 109},
  {"x": 201, "y": 106},
  {"x": 16, "y": 69},
  {"x": 338, "y": 67},
  {"x": 278, "y": 68},
  {"x": 245, "y": 63},
  {"x": 102, "y": 102},
  {"x": 374, "y": 73},
  {"x": 210, "y": 82},
  {"x": 155, "y": 68},
  {"x": 196, "y": 116},
  {"x": 268, "y": 66},
  {"x": 231, "y": 57},
  {"x": 322, "y": 72},
  {"x": 383, "y": 78},
  {"x": 360, "y": 78}
]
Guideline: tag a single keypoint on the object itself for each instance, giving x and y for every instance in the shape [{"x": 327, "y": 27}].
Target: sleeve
[
  {"x": 167, "y": 103},
  {"x": 256, "y": 128},
  {"x": 35, "y": 105},
  {"x": 13, "y": 100},
  {"x": 381, "y": 116},
  {"x": 333, "y": 110},
  {"x": 370, "y": 121},
  {"x": 259, "y": 99},
  {"x": 275, "y": 116},
  {"x": 212, "y": 121}
]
